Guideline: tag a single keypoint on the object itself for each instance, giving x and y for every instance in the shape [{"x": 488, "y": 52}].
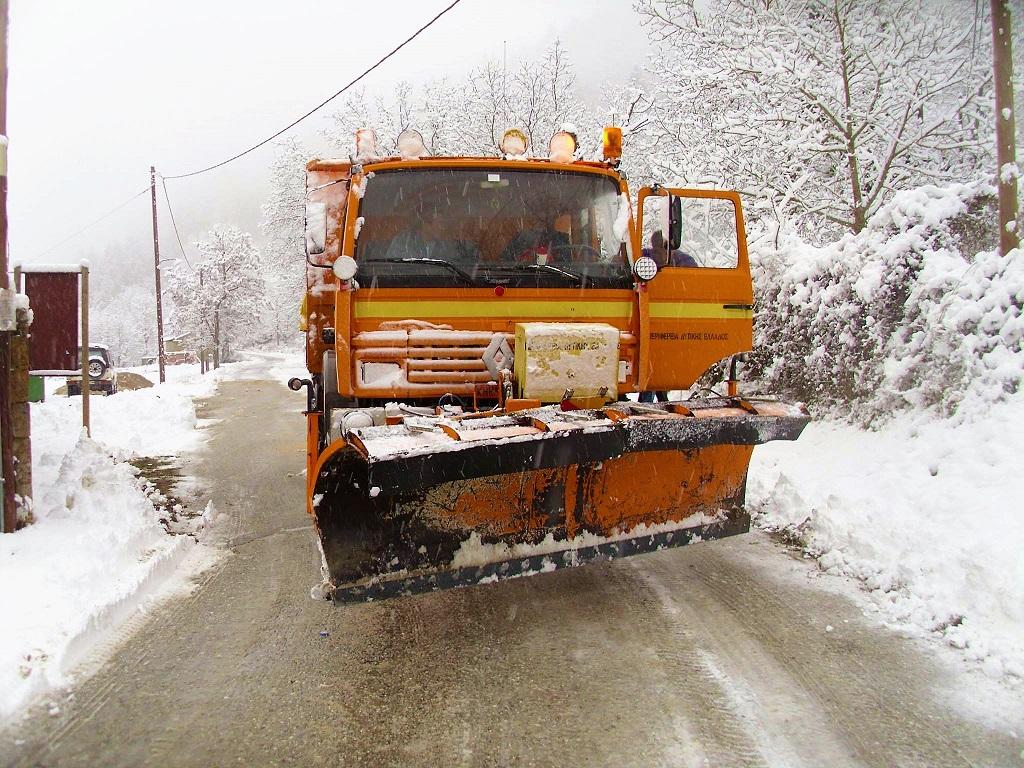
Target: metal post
[
  {"x": 156, "y": 274},
  {"x": 1002, "y": 65},
  {"x": 10, "y": 513},
  {"x": 85, "y": 349},
  {"x": 204, "y": 366}
]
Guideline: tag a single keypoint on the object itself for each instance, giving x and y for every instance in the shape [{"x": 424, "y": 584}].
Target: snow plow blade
[{"x": 438, "y": 503}]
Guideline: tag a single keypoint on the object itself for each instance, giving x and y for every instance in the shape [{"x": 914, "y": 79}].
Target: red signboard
[{"x": 53, "y": 335}]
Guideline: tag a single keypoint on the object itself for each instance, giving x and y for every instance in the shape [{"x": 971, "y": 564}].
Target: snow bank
[
  {"x": 913, "y": 328},
  {"x": 259, "y": 365},
  {"x": 97, "y": 553},
  {"x": 96, "y": 544},
  {"x": 923, "y": 512},
  {"x": 911, "y": 313}
]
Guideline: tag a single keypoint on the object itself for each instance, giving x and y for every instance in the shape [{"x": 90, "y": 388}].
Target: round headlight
[
  {"x": 345, "y": 267},
  {"x": 645, "y": 268}
]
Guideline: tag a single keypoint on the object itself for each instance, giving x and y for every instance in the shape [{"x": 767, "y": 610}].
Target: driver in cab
[{"x": 552, "y": 245}]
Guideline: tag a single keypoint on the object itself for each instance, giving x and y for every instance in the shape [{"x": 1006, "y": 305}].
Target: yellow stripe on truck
[
  {"x": 524, "y": 308},
  {"x": 681, "y": 310},
  {"x": 398, "y": 310}
]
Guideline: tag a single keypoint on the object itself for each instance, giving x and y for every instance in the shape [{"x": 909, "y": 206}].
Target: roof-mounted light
[
  {"x": 366, "y": 144},
  {"x": 562, "y": 147},
  {"x": 514, "y": 143},
  {"x": 410, "y": 145},
  {"x": 611, "y": 143}
]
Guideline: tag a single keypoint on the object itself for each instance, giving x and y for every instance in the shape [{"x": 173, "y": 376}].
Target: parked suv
[{"x": 102, "y": 376}]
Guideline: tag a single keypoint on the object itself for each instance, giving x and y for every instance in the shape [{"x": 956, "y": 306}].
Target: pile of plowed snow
[
  {"x": 910, "y": 329},
  {"x": 97, "y": 552},
  {"x": 924, "y": 512}
]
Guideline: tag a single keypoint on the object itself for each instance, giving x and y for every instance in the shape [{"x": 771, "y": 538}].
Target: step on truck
[{"x": 502, "y": 357}]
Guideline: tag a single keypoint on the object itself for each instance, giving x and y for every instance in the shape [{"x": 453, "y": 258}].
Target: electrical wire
[
  {"x": 174, "y": 224},
  {"x": 91, "y": 224},
  {"x": 325, "y": 102}
]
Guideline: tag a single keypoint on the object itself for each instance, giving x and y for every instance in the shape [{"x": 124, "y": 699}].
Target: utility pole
[
  {"x": 86, "y": 385},
  {"x": 10, "y": 513},
  {"x": 156, "y": 274},
  {"x": 1002, "y": 72}
]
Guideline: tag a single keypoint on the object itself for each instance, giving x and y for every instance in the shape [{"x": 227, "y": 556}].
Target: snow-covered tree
[
  {"x": 821, "y": 108},
  {"x": 541, "y": 96},
  {"x": 218, "y": 301},
  {"x": 283, "y": 254},
  {"x": 126, "y": 322},
  {"x": 387, "y": 117},
  {"x": 537, "y": 96}
]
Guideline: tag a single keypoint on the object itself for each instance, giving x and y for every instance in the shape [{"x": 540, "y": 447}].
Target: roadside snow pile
[
  {"x": 908, "y": 314},
  {"x": 911, "y": 328},
  {"x": 924, "y": 512},
  {"x": 97, "y": 552},
  {"x": 96, "y": 547}
]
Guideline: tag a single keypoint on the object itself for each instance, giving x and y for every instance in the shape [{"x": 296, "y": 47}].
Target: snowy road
[{"x": 721, "y": 654}]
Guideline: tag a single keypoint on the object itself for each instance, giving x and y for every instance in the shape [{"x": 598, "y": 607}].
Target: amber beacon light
[{"x": 611, "y": 142}]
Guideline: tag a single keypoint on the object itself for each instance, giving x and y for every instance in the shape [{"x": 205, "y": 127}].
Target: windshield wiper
[
  {"x": 535, "y": 267},
  {"x": 424, "y": 260}
]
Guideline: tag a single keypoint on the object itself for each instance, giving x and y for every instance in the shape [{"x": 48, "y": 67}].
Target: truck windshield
[{"x": 439, "y": 227}]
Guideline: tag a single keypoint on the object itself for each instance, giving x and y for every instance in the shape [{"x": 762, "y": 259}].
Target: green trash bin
[{"x": 36, "y": 389}]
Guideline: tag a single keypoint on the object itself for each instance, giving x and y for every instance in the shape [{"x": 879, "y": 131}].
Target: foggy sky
[{"x": 101, "y": 90}]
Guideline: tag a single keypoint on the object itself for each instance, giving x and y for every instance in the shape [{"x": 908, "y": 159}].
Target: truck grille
[
  {"x": 425, "y": 359},
  {"x": 390, "y": 361}
]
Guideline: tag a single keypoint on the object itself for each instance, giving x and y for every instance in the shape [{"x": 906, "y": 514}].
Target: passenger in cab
[{"x": 660, "y": 253}]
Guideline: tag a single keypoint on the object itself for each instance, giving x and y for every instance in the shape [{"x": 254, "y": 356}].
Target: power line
[
  {"x": 174, "y": 224},
  {"x": 325, "y": 102},
  {"x": 93, "y": 223}
]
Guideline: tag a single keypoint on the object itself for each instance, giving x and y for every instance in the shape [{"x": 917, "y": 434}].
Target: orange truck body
[{"x": 671, "y": 329}]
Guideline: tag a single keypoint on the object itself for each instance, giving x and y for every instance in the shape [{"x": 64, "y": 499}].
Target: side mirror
[
  {"x": 316, "y": 228},
  {"x": 675, "y": 222}
]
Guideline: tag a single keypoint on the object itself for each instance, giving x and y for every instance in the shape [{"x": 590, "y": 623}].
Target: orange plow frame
[{"x": 533, "y": 492}]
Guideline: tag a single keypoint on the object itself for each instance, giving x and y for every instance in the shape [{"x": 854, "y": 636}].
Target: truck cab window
[{"x": 515, "y": 228}]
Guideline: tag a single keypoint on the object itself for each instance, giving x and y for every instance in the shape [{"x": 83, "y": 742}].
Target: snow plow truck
[{"x": 491, "y": 344}]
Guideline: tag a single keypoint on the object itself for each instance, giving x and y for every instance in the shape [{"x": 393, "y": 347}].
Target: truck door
[{"x": 699, "y": 305}]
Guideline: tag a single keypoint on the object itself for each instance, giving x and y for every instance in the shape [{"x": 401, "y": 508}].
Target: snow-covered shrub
[{"x": 907, "y": 313}]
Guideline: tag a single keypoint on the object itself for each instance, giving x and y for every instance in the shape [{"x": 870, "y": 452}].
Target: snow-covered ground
[
  {"x": 97, "y": 553},
  {"x": 923, "y": 513}
]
